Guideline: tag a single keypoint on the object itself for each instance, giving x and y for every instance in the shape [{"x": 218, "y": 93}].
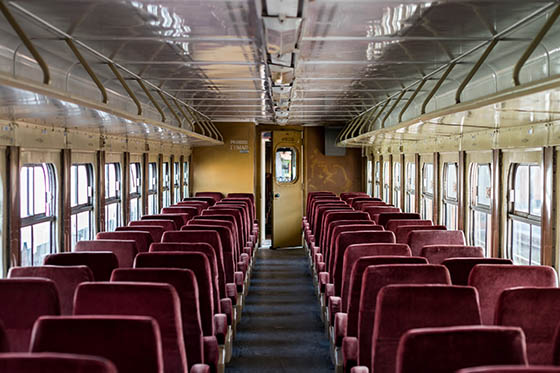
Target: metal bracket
[
  {"x": 88, "y": 69},
  {"x": 126, "y": 87},
  {"x": 153, "y": 101},
  {"x": 474, "y": 69},
  {"x": 409, "y": 101},
  {"x": 392, "y": 108},
  {"x": 437, "y": 86},
  {"x": 169, "y": 107}
]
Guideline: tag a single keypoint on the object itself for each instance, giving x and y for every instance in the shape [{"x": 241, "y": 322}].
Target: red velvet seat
[
  {"x": 54, "y": 362},
  {"x": 230, "y": 224},
  {"x": 444, "y": 350},
  {"x": 244, "y": 214},
  {"x": 403, "y": 231},
  {"x": 320, "y": 211},
  {"x": 393, "y": 225},
  {"x": 404, "y": 307},
  {"x": 354, "y": 200},
  {"x": 511, "y": 369},
  {"x": 536, "y": 311},
  {"x": 167, "y": 225},
  {"x": 328, "y": 236},
  {"x": 159, "y": 301},
  {"x": 374, "y": 211},
  {"x": 100, "y": 263},
  {"x": 385, "y": 217},
  {"x": 436, "y": 254},
  {"x": 490, "y": 280},
  {"x": 211, "y": 201},
  {"x": 220, "y": 210},
  {"x": 23, "y": 301},
  {"x": 65, "y": 278},
  {"x": 4, "y": 344},
  {"x": 215, "y": 195},
  {"x": 251, "y": 196},
  {"x": 216, "y": 215},
  {"x": 154, "y": 230},
  {"x": 361, "y": 205},
  {"x": 124, "y": 250},
  {"x": 323, "y": 201},
  {"x": 332, "y": 216},
  {"x": 345, "y": 196},
  {"x": 460, "y": 268},
  {"x": 192, "y": 211},
  {"x": 202, "y": 204},
  {"x": 132, "y": 343},
  {"x": 185, "y": 283},
  {"x": 417, "y": 239},
  {"x": 178, "y": 219},
  {"x": 143, "y": 239},
  {"x": 226, "y": 238}
]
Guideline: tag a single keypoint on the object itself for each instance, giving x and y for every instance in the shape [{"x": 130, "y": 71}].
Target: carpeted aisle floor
[{"x": 281, "y": 330}]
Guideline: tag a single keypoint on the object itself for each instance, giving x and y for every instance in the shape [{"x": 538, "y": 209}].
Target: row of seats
[
  {"x": 163, "y": 294},
  {"x": 399, "y": 294}
]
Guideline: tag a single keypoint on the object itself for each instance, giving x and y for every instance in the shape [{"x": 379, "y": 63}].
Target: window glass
[
  {"x": 166, "y": 185},
  {"x": 81, "y": 179},
  {"x": 369, "y": 180},
  {"x": 397, "y": 184},
  {"x": 410, "y": 187},
  {"x": 480, "y": 204},
  {"x": 484, "y": 186},
  {"x": 135, "y": 191},
  {"x": 386, "y": 181},
  {"x": 521, "y": 189},
  {"x": 186, "y": 179},
  {"x": 152, "y": 188},
  {"x": 176, "y": 183},
  {"x": 286, "y": 160},
  {"x": 112, "y": 196},
  {"x": 427, "y": 191},
  {"x": 450, "y": 202},
  {"x": 451, "y": 180},
  {"x": 377, "y": 180}
]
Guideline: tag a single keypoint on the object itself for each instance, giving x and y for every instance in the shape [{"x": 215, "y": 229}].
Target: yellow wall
[{"x": 226, "y": 168}]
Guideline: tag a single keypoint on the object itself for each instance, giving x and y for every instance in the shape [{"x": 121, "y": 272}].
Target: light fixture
[{"x": 281, "y": 34}]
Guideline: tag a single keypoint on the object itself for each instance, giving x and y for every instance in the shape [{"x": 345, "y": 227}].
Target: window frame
[
  {"x": 447, "y": 200},
  {"x": 186, "y": 175},
  {"x": 425, "y": 195},
  {"x": 176, "y": 182},
  {"x": 386, "y": 181},
  {"x": 132, "y": 196},
  {"x": 376, "y": 179},
  {"x": 397, "y": 186},
  {"x": 153, "y": 193},
  {"x": 166, "y": 184},
  {"x": 88, "y": 207},
  {"x": 410, "y": 198},
  {"x": 476, "y": 207},
  {"x": 117, "y": 199}
]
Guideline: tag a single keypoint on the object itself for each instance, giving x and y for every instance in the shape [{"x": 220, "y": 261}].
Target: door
[{"x": 287, "y": 207}]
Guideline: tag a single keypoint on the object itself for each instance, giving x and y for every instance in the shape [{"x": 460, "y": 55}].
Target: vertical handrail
[
  {"x": 393, "y": 107},
  {"x": 88, "y": 69},
  {"x": 152, "y": 100},
  {"x": 126, "y": 87},
  {"x": 437, "y": 86},
  {"x": 170, "y": 108},
  {"x": 197, "y": 121},
  {"x": 409, "y": 101},
  {"x": 182, "y": 111},
  {"x": 380, "y": 112},
  {"x": 475, "y": 68}
]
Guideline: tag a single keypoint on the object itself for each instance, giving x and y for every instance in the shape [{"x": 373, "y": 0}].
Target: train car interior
[{"x": 347, "y": 186}]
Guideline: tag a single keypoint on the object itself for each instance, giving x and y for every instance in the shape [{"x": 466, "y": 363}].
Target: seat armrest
[
  {"x": 247, "y": 250},
  {"x": 359, "y": 369},
  {"x": 329, "y": 290},
  {"x": 340, "y": 328},
  {"x": 239, "y": 278},
  {"x": 200, "y": 368},
  {"x": 321, "y": 267},
  {"x": 242, "y": 267},
  {"x": 226, "y": 305},
  {"x": 245, "y": 259},
  {"x": 231, "y": 292},
  {"x": 323, "y": 281},
  {"x": 318, "y": 257},
  {"x": 211, "y": 351},
  {"x": 334, "y": 307},
  {"x": 350, "y": 352},
  {"x": 220, "y": 327}
]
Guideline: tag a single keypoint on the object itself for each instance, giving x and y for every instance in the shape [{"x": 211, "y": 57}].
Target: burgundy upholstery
[
  {"x": 361, "y": 205},
  {"x": 154, "y": 230},
  {"x": 198, "y": 263},
  {"x": 491, "y": 279},
  {"x": 23, "y": 301},
  {"x": 100, "y": 263},
  {"x": 226, "y": 237},
  {"x": 251, "y": 196},
  {"x": 535, "y": 310},
  {"x": 384, "y": 218},
  {"x": 217, "y": 210},
  {"x": 216, "y": 215},
  {"x": 436, "y": 254},
  {"x": 511, "y": 369},
  {"x": 392, "y": 225},
  {"x": 143, "y": 239},
  {"x": 320, "y": 212},
  {"x": 460, "y": 268},
  {"x": 132, "y": 343},
  {"x": 417, "y": 239},
  {"x": 211, "y": 201},
  {"x": 404, "y": 307},
  {"x": 203, "y": 204},
  {"x": 376, "y": 210},
  {"x": 184, "y": 282},
  {"x": 347, "y": 195},
  {"x": 314, "y": 197},
  {"x": 222, "y": 223},
  {"x": 355, "y": 200},
  {"x": 192, "y": 211},
  {"x": 403, "y": 231},
  {"x": 216, "y": 267},
  {"x": 327, "y": 238},
  {"x": 244, "y": 201},
  {"x": 167, "y": 225},
  {"x": 445, "y": 350},
  {"x": 65, "y": 278},
  {"x": 215, "y": 195},
  {"x": 130, "y": 298},
  {"x": 332, "y": 216},
  {"x": 353, "y": 238},
  {"x": 378, "y": 276},
  {"x": 4, "y": 344},
  {"x": 316, "y": 203},
  {"x": 178, "y": 219},
  {"x": 54, "y": 362},
  {"x": 124, "y": 250},
  {"x": 338, "y": 230}
]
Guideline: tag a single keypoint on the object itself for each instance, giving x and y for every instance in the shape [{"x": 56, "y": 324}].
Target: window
[
  {"x": 397, "y": 184},
  {"x": 286, "y": 161},
  {"x": 480, "y": 206},
  {"x": 185, "y": 179},
  {"x": 152, "y": 188},
  {"x": 135, "y": 191},
  {"x": 37, "y": 207},
  {"x": 166, "y": 187},
  {"x": 450, "y": 200},
  {"x": 112, "y": 196},
  {"x": 369, "y": 181},
  {"x": 410, "y": 200},
  {"x": 386, "y": 182},
  {"x": 427, "y": 191},
  {"x": 524, "y": 217},
  {"x": 81, "y": 202},
  {"x": 176, "y": 183},
  {"x": 377, "y": 181}
]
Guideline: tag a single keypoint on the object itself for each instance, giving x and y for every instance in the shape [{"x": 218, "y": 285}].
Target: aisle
[{"x": 281, "y": 330}]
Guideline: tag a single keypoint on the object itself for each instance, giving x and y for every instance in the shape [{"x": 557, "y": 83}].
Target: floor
[{"x": 281, "y": 329}]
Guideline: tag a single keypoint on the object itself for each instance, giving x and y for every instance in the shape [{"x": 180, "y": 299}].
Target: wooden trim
[
  {"x": 403, "y": 182},
  {"x": 172, "y": 179},
  {"x": 100, "y": 187},
  {"x": 436, "y": 203},
  {"x": 181, "y": 177},
  {"x": 14, "y": 216},
  {"x": 145, "y": 182},
  {"x": 497, "y": 193},
  {"x": 548, "y": 216},
  {"x": 418, "y": 182},
  {"x": 390, "y": 199},
  {"x": 125, "y": 188},
  {"x": 381, "y": 179},
  {"x": 66, "y": 209},
  {"x": 160, "y": 181},
  {"x": 462, "y": 199}
]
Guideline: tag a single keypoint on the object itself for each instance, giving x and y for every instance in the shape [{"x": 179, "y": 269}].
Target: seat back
[
  {"x": 211, "y": 201},
  {"x": 167, "y": 224},
  {"x": 191, "y": 211},
  {"x": 4, "y": 344},
  {"x": 320, "y": 212},
  {"x": 65, "y": 278},
  {"x": 378, "y": 276},
  {"x": 436, "y": 254},
  {"x": 393, "y": 225},
  {"x": 338, "y": 230},
  {"x": 403, "y": 231},
  {"x": 346, "y": 195},
  {"x": 229, "y": 248},
  {"x": 220, "y": 210},
  {"x": 132, "y": 343},
  {"x": 185, "y": 283},
  {"x": 154, "y": 230},
  {"x": 385, "y": 217},
  {"x": 334, "y": 216},
  {"x": 327, "y": 238},
  {"x": 143, "y": 238},
  {"x": 178, "y": 219},
  {"x": 316, "y": 203},
  {"x": 101, "y": 263},
  {"x": 197, "y": 205},
  {"x": 491, "y": 280},
  {"x": 159, "y": 301},
  {"x": 510, "y": 369},
  {"x": 214, "y": 195},
  {"x": 124, "y": 250},
  {"x": 23, "y": 301},
  {"x": 222, "y": 223},
  {"x": 448, "y": 349},
  {"x": 404, "y": 307},
  {"x": 417, "y": 239},
  {"x": 198, "y": 263},
  {"x": 535, "y": 310},
  {"x": 361, "y": 205},
  {"x": 54, "y": 362},
  {"x": 354, "y": 200},
  {"x": 374, "y": 211},
  {"x": 460, "y": 268}
]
